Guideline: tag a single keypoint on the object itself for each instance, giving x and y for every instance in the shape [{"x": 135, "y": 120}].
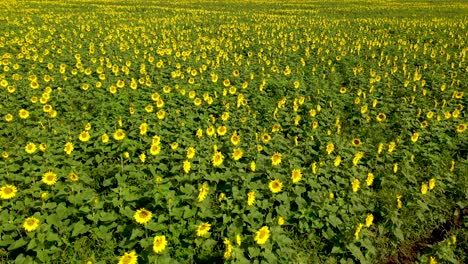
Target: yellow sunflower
[
  {"x": 381, "y": 117},
  {"x": 296, "y": 175},
  {"x": 68, "y": 148},
  {"x": 237, "y": 154},
  {"x": 203, "y": 229},
  {"x": 8, "y": 192},
  {"x": 222, "y": 130},
  {"x": 191, "y": 152},
  {"x": 356, "y": 184},
  {"x": 129, "y": 258},
  {"x": 155, "y": 149},
  {"x": 461, "y": 128},
  {"x": 266, "y": 138},
  {"x": 73, "y": 177},
  {"x": 23, "y": 114},
  {"x": 275, "y": 186},
  {"x": 330, "y": 148},
  {"x": 159, "y": 244},
  {"x": 251, "y": 198},
  {"x": 186, "y": 166},
  {"x": 217, "y": 158},
  {"x": 356, "y": 142},
  {"x": 142, "y": 216},
  {"x": 262, "y": 235},
  {"x": 235, "y": 138},
  {"x": 31, "y": 224},
  {"x": 30, "y": 148},
  {"x": 84, "y": 136},
  {"x": 276, "y": 158},
  {"x": 119, "y": 134},
  {"x": 49, "y": 178}
]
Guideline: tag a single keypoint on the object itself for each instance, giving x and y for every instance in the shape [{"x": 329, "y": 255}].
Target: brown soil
[{"x": 410, "y": 253}]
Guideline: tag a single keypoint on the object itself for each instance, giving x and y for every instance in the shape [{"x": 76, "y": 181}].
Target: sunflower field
[{"x": 233, "y": 131}]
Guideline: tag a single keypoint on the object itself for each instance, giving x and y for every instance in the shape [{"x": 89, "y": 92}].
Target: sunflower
[
  {"x": 370, "y": 179},
  {"x": 281, "y": 221},
  {"x": 8, "y": 192},
  {"x": 358, "y": 230},
  {"x": 461, "y": 128},
  {"x": 337, "y": 161},
  {"x": 357, "y": 157},
  {"x": 31, "y": 224},
  {"x": 424, "y": 188},
  {"x": 191, "y": 152},
  {"x": 119, "y": 134},
  {"x": 237, "y": 154},
  {"x": 250, "y": 198},
  {"x": 199, "y": 133},
  {"x": 68, "y": 148},
  {"x": 49, "y": 178},
  {"x": 356, "y": 142},
  {"x": 203, "y": 192},
  {"x": 221, "y": 197},
  {"x": 161, "y": 114},
  {"x": 222, "y": 130},
  {"x": 143, "y": 129},
  {"x": 262, "y": 235},
  {"x": 235, "y": 138},
  {"x": 186, "y": 166},
  {"x": 276, "y": 158},
  {"x": 217, "y": 158},
  {"x": 155, "y": 149},
  {"x": 259, "y": 148},
  {"x": 129, "y": 258},
  {"x": 159, "y": 244},
  {"x": 142, "y": 216},
  {"x": 105, "y": 138},
  {"x": 174, "y": 145},
  {"x": 30, "y": 148},
  {"x": 156, "y": 140},
  {"x": 381, "y": 117},
  {"x": 8, "y": 117},
  {"x": 253, "y": 166},
  {"x": 266, "y": 138},
  {"x": 47, "y": 108},
  {"x": 203, "y": 229},
  {"x": 225, "y": 116},
  {"x": 73, "y": 177},
  {"x": 432, "y": 183},
  {"x": 356, "y": 184},
  {"x": 424, "y": 124},
  {"x": 415, "y": 137},
  {"x": 23, "y": 114},
  {"x": 369, "y": 220},
  {"x": 210, "y": 131},
  {"x": 276, "y": 127},
  {"x": 330, "y": 148},
  {"x": 84, "y": 136},
  {"x": 228, "y": 248},
  {"x": 275, "y": 186},
  {"x": 296, "y": 175},
  {"x": 226, "y": 82}
]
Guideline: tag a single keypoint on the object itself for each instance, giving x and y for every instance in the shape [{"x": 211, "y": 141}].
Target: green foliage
[{"x": 350, "y": 120}]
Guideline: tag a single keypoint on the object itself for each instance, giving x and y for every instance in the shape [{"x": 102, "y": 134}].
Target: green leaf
[
  {"x": 356, "y": 251},
  {"x": 254, "y": 252},
  {"x": 79, "y": 228},
  {"x": 137, "y": 232},
  {"x": 399, "y": 234},
  {"x": 51, "y": 236},
  {"x": 32, "y": 244},
  {"x": 17, "y": 244},
  {"x": 335, "y": 221}
]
